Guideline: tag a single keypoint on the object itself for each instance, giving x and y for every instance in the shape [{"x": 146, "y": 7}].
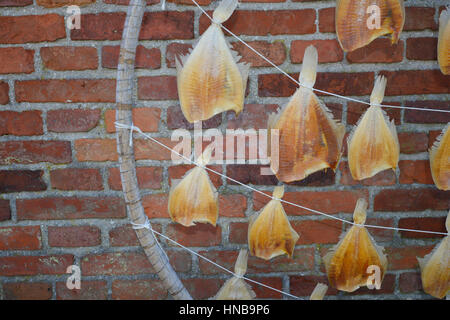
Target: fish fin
[{"x": 309, "y": 67}]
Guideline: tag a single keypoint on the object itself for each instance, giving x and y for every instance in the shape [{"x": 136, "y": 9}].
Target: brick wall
[{"x": 61, "y": 201}]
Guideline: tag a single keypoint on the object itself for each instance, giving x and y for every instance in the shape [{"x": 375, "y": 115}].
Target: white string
[
  {"x": 299, "y": 84},
  {"x": 146, "y": 225},
  {"x": 137, "y": 129}
]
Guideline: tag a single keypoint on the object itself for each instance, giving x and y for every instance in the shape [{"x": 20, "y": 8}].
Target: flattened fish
[
  {"x": 359, "y": 22},
  {"x": 269, "y": 233},
  {"x": 348, "y": 262},
  {"x": 210, "y": 80},
  {"x": 319, "y": 292},
  {"x": 373, "y": 144},
  {"x": 444, "y": 41},
  {"x": 310, "y": 139},
  {"x": 440, "y": 160}
]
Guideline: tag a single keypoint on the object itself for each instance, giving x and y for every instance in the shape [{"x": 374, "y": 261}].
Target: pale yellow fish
[
  {"x": 269, "y": 233},
  {"x": 319, "y": 292},
  {"x": 444, "y": 41},
  {"x": 209, "y": 79},
  {"x": 359, "y": 22},
  {"x": 356, "y": 257},
  {"x": 373, "y": 144},
  {"x": 440, "y": 160},
  {"x": 310, "y": 139}
]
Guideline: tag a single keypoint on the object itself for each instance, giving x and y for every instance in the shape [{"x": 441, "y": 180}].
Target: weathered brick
[
  {"x": 328, "y": 50},
  {"x": 59, "y": 90},
  {"x": 72, "y": 120},
  {"x": 35, "y": 265},
  {"x": 20, "y": 238},
  {"x": 90, "y": 290},
  {"x": 415, "y": 171},
  {"x": 419, "y": 18},
  {"x": 200, "y": 235},
  {"x": 96, "y": 150},
  {"x": 34, "y": 28},
  {"x": 232, "y": 205},
  {"x": 15, "y": 3},
  {"x": 327, "y": 20},
  {"x": 155, "y": 205},
  {"x": 147, "y": 119},
  {"x": 238, "y": 232},
  {"x": 412, "y": 142},
  {"x": 318, "y": 231},
  {"x": 178, "y": 172},
  {"x": 383, "y": 178},
  {"x": 61, "y": 3},
  {"x": 148, "y": 178},
  {"x": 254, "y": 116},
  {"x": 148, "y": 58},
  {"x": 167, "y": 25},
  {"x": 25, "y": 123},
  {"x": 201, "y": 289},
  {"x": 74, "y": 236},
  {"x": 422, "y": 223},
  {"x": 5, "y": 210},
  {"x": 100, "y": 26},
  {"x": 249, "y": 174},
  {"x": 16, "y": 60},
  {"x": 21, "y": 180},
  {"x": 157, "y": 88},
  {"x": 419, "y": 199},
  {"x": 27, "y": 290},
  {"x": 145, "y": 289},
  {"x": 70, "y": 208},
  {"x": 406, "y": 257},
  {"x": 69, "y": 58},
  {"x": 410, "y": 282},
  {"x": 407, "y": 82},
  {"x": 176, "y": 50},
  {"x": 422, "y": 48},
  {"x": 378, "y": 51},
  {"x": 126, "y": 2},
  {"x": 76, "y": 179},
  {"x": 274, "y": 51},
  {"x": 419, "y": 116},
  {"x": 4, "y": 93},
  {"x": 176, "y": 120},
  {"x": 148, "y": 150},
  {"x": 35, "y": 151},
  {"x": 124, "y": 236},
  {"x": 303, "y": 286}
]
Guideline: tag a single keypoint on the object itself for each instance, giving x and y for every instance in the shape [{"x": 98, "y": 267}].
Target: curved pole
[{"x": 124, "y": 104}]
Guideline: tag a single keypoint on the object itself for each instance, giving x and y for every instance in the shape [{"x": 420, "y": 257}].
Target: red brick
[
  {"x": 129, "y": 263},
  {"x": 317, "y": 231},
  {"x": 35, "y": 151},
  {"x": 138, "y": 290},
  {"x": 157, "y": 88},
  {"x": 73, "y": 120},
  {"x": 148, "y": 178},
  {"x": 355, "y": 110},
  {"x": 275, "y": 52},
  {"x": 200, "y": 235},
  {"x": 422, "y": 48},
  {"x": 432, "y": 137},
  {"x": 266, "y": 293},
  {"x": 330, "y": 202},
  {"x": 167, "y": 25},
  {"x": 100, "y": 26},
  {"x": 124, "y": 236},
  {"x": 383, "y": 178},
  {"x": 90, "y": 290},
  {"x": 70, "y": 208},
  {"x": 327, "y": 20},
  {"x": 415, "y": 171},
  {"x": 254, "y": 116},
  {"x": 378, "y": 51},
  {"x": 201, "y": 289},
  {"x": 59, "y": 90},
  {"x": 147, "y": 119},
  {"x": 411, "y": 200},
  {"x": 33, "y": 28},
  {"x": 410, "y": 282},
  {"x": 16, "y": 60},
  {"x": 303, "y": 286},
  {"x": 387, "y": 287},
  {"x": 15, "y": 3},
  {"x": 74, "y": 236},
  {"x": 35, "y": 265},
  {"x": 407, "y": 82},
  {"x": 255, "y": 23},
  {"x": 238, "y": 232},
  {"x": 379, "y": 235},
  {"x": 413, "y": 142},
  {"x": 347, "y": 84},
  {"x": 302, "y": 260},
  {"x": 178, "y": 172},
  {"x": 21, "y": 180},
  {"x": 328, "y": 50},
  {"x": 406, "y": 257},
  {"x": 426, "y": 224},
  {"x": 232, "y": 205},
  {"x": 190, "y": 3},
  {"x": 76, "y": 179},
  {"x": 126, "y": 2},
  {"x": 175, "y": 50},
  {"x": 419, "y": 18},
  {"x": 418, "y": 116},
  {"x": 61, "y": 3},
  {"x": 4, "y": 93},
  {"x": 176, "y": 120},
  {"x": 148, "y": 58},
  {"x": 96, "y": 149},
  {"x": 149, "y": 150},
  {"x": 27, "y": 290},
  {"x": 25, "y": 123},
  {"x": 155, "y": 205},
  {"x": 20, "y": 238},
  {"x": 69, "y": 58},
  {"x": 5, "y": 210},
  {"x": 249, "y": 174}
]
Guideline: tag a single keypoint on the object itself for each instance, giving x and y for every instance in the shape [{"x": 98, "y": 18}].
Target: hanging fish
[
  {"x": 444, "y": 41},
  {"x": 440, "y": 160},
  {"x": 194, "y": 198},
  {"x": 348, "y": 262},
  {"x": 319, "y": 292},
  {"x": 435, "y": 267},
  {"x": 309, "y": 139},
  {"x": 373, "y": 144},
  {"x": 209, "y": 79},
  {"x": 269, "y": 232},
  {"x": 236, "y": 288},
  {"x": 359, "y": 22}
]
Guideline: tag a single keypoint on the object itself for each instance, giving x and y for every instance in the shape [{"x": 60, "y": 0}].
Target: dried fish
[
  {"x": 194, "y": 198},
  {"x": 209, "y": 79},
  {"x": 373, "y": 144},
  {"x": 319, "y": 292},
  {"x": 359, "y": 22},
  {"x": 269, "y": 233},
  {"x": 440, "y": 160},
  {"x": 349, "y": 263},
  {"x": 236, "y": 288},
  {"x": 435, "y": 267},
  {"x": 444, "y": 41},
  {"x": 309, "y": 138}
]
